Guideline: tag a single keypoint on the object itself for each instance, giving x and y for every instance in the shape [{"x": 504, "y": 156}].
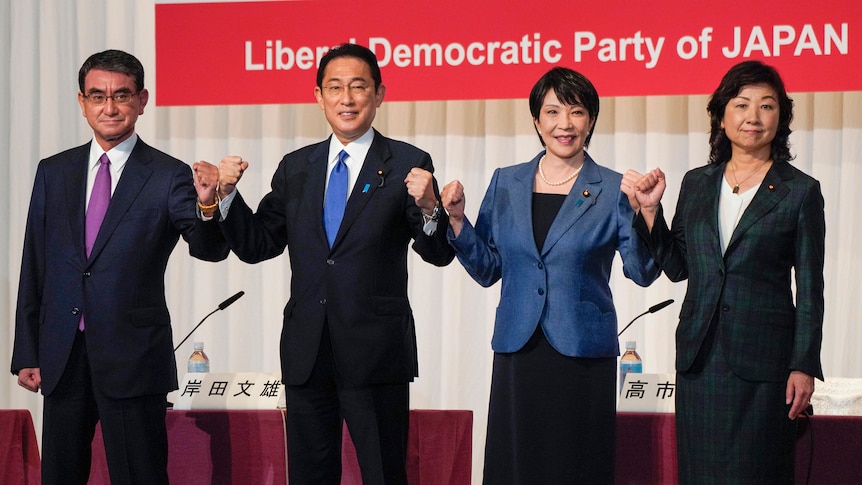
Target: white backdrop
[{"x": 42, "y": 45}]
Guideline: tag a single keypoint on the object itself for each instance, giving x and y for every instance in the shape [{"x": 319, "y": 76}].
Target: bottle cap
[
  {"x": 200, "y": 346},
  {"x": 630, "y": 345}
]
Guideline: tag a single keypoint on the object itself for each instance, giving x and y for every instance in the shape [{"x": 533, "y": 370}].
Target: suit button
[
  {"x": 541, "y": 291},
  {"x": 725, "y": 308},
  {"x": 330, "y": 262},
  {"x": 87, "y": 274},
  {"x": 323, "y": 301},
  {"x": 541, "y": 266},
  {"x": 76, "y": 311}
]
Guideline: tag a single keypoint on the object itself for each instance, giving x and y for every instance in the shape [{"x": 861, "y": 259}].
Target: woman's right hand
[
  {"x": 645, "y": 191},
  {"x": 452, "y": 198},
  {"x": 648, "y": 188}
]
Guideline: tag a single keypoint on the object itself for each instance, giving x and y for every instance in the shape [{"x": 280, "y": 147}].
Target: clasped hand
[{"x": 209, "y": 178}]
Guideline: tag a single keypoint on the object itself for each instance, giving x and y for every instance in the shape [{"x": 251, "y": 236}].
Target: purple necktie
[
  {"x": 336, "y": 198},
  {"x": 99, "y": 200}
]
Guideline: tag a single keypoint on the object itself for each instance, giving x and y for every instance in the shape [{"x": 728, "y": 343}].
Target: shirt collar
[
  {"x": 357, "y": 149},
  {"x": 118, "y": 155}
]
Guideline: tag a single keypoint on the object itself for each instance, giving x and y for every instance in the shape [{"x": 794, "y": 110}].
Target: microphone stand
[
  {"x": 652, "y": 309},
  {"x": 221, "y": 306}
]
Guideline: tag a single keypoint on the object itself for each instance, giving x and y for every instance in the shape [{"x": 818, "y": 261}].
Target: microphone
[
  {"x": 236, "y": 297},
  {"x": 652, "y": 309},
  {"x": 221, "y": 306}
]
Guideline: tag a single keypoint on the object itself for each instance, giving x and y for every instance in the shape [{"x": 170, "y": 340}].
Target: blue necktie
[{"x": 336, "y": 198}]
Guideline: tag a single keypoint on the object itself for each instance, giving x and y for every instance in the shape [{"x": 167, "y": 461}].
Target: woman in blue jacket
[{"x": 549, "y": 228}]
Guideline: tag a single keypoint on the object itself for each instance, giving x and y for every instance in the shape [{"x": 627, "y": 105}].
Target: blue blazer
[
  {"x": 564, "y": 287},
  {"x": 121, "y": 286}
]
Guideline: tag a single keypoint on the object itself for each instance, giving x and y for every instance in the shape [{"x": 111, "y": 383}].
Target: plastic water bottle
[
  {"x": 630, "y": 362},
  {"x": 199, "y": 362}
]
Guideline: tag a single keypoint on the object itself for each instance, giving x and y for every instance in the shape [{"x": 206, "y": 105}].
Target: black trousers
[
  {"x": 377, "y": 418},
  {"x": 133, "y": 430}
]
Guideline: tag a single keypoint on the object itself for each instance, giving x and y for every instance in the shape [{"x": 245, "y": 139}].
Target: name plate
[
  {"x": 648, "y": 393},
  {"x": 240, "y": 390}
]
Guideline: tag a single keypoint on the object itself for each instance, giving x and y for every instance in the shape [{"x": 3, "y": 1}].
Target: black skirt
[{"x": 551, "y": 418}]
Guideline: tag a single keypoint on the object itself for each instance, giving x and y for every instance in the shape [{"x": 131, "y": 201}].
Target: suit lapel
[
  {"x": 769, "y": 194},
  {"x": 705, "y": 207},
  {"x": 134, "y": 176},
  {"x": 75, "y": 179},
  {"x": 583, "y": 195},
  {"x": 522, "y": 205},
  {"x": 372, "y": 176},
  {"x": 314, "y": 191}
]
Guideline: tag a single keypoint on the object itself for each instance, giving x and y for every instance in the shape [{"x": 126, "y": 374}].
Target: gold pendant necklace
[
  {"x": 736, "y": 187},
  {"x": 564, "y": 181}
]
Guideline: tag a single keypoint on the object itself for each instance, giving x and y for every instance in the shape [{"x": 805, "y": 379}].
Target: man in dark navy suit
[
  {"x": 348, "y": 344},
  {"x": 92, "y": 326}
]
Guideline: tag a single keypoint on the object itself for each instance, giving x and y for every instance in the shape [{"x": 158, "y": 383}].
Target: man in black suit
[
  {"x": 348, "y": 344},
  {"x": 92, "y": 327}
]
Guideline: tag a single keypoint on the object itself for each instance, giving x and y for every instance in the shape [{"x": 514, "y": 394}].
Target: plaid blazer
[{"x": 748, "y": 289}]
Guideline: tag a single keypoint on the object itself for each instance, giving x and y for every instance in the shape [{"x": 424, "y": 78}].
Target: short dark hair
[
  {"x": 748, "y": 73},
  {"x": 113, "y": 61},
  {"x": 572, "y": 88},
  {"x": 350, "y": 50}
]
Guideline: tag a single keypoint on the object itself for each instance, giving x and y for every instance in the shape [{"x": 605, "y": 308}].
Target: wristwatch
[{"x": 430, "y": 221}]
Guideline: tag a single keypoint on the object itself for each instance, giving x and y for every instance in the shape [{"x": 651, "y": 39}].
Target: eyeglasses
[
  {"x": 98, "y": 99},
  {"x": 335, "y": 90}
]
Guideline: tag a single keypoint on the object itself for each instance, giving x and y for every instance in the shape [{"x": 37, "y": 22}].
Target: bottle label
[
  {"x": 633, "y": 367},
  {"x": 629, "y": 367},
  {"x": 199, "y": 366}
]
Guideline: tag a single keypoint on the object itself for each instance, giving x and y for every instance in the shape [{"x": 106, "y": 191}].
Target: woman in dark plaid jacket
[{"x": 745, "y": 226}]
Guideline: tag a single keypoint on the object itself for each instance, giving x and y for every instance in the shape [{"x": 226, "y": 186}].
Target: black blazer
[
  {"x": 764, "y": 333},
  {"x": 121, "y": 286},
  {"x": 360, "y": 285}
]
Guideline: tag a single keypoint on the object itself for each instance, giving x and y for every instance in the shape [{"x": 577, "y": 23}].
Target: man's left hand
[
  {"x": 420, "y": 185},
  {"x": 206, "y": 181}
]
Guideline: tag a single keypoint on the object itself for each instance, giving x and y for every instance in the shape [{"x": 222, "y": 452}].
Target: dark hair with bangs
[
  {"x": 113, "y": 61},
  {"x": 744, "y": 74},
  {"x": 350, "y": 50},
  {"x": 572, "y": 88}
]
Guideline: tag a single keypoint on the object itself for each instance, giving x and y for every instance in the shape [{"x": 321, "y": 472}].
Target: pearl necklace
[{"x": 562, "y": 182}]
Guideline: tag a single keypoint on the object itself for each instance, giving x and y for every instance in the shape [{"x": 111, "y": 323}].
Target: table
[
  {"x": 646, "y": 449},
  {"x": 248, "y": 447},
  {"x": 19, "y": 451}
]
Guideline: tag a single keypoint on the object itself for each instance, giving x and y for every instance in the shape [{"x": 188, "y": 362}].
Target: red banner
[{"x": 267, "y": 52}]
